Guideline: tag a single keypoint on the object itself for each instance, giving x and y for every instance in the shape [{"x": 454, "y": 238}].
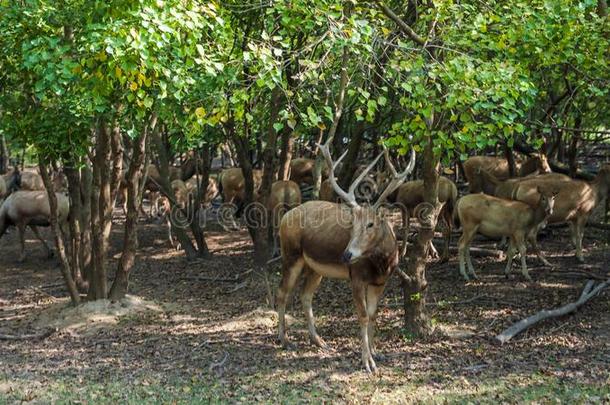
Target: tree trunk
[
  {"x": 510, "y": 158},
  {"x": 100, "y": 196},
  {"x": 57, "y": 232},
  {"x": 573, "y": 150},
  {"x": 194, "y": 207},
  {"x": 167, "y": 190},
  {"x": 76, "y": 236},
  {"x": 130, "y": 239},
  {"x": 86, "y": 187},
  {"x": 414, "y": 289},
  {"x": 285, "y": 154},
  {"x": 4, "y": 155}
]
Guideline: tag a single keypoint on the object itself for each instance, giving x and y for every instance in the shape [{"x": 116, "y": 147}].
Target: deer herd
[{"x": 341, "y": 237}]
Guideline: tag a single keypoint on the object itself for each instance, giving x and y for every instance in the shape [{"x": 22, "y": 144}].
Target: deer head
[{"x": 370, "y": 231}]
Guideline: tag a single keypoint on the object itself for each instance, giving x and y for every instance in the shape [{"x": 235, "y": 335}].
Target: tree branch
[{"x": 404, "y": 27}]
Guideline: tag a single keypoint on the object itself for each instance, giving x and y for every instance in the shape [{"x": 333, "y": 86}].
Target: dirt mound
[
  {"x": 260, "y": 318},
  {"x": 91, "y": 316}
]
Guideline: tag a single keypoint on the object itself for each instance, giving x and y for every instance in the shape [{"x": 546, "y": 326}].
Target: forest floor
[{"x": 202, "y": 332}]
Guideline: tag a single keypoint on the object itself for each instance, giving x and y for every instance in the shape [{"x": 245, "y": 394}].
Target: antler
[
  {"x": 349, "y": 197},
  {"x": 397, "y": 178}
]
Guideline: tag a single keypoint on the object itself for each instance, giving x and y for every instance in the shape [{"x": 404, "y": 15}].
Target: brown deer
[
  {"x": 411, "y": 194},
  {"x": 285, "y": 195},
  {"x": 9, "y": 182},
  {"x": 497, "y": 217},
  {"x": 491, "y": 185},
  {"x": 575, "y": 201},
  {"x": 233, "y": 191},
  {"x": 301, "y": 171},
  {"x": 351, "y": 242},
  {"x": 31, "y": 208},
  {"x": 499, "y": 168}
]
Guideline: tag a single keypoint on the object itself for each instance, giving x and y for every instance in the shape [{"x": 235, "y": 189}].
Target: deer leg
[
  {"x": 462, "y": 246},
  {"x": 359, "y": 293},
  {"x": 523, "y": 253},
  {"x": 432, "y": 250},
  {"x": 44, "y": 242},
  {"x": 373, "y": 294},
  {"x": 21, "y": 231},
  {"x": 580, "y": 231},
  {"x": 405, "y": 226},
  {"x": 447, "y": 235},
  {"x": 312, "y": 281},
  {"x": 509, "y": 259},
  {"x": 532, "y": 238},
  {"x": 290, "y": 275},
  {"x": 469, "y": 262}
]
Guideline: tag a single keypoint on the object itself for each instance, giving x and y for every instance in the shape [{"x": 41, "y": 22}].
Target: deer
[
  {"x": 153, "y": 182},
  {"x": 301, "y": 171},
  {"x": 31, "y": 208},
  {"x": 575, "y": 202},
  {"x": 499, "y": 168},
  {"x": 496, "y": 217},
  {"x": 343, "y": 241},
  {"x": 285, "y": 195},
  {"x": 491, "y": 185},
  {"x": 411, "y": 193},
  {"x": 9, "y": 182},
  {"x": 232, "y": 188},
  {"x": 211, "y": 192}
]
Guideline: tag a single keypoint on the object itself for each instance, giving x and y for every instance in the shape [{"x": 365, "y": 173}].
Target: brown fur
[
  {"x": 498, "y": 167},
  {"x": 497, "y": 217},
  {"x": 315, "y": 238},
  {"x": 325, "y": 239},
  {"x": 285, "y": 195},
  {"x": 301, "y": 170},
  {"x": 411, "y": 194},
  {"x": 31, "y": 208},
  {"x": 575, "y": 201},
  {"x": 491, "y": 185}
]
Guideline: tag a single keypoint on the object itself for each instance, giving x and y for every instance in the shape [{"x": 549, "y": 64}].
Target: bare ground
[{"x": 204, "y": 333}]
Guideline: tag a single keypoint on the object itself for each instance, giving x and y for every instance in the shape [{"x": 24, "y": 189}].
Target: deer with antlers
[{"x": 343, "y": 241}]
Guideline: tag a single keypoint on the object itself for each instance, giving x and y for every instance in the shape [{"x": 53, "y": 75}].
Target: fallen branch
[
  {"x": 481, "y": 252},
  {"x": 34, "y": 336},
  {"x": 587, "y": 293}
]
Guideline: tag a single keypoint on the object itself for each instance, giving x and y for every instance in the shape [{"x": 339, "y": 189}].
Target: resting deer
[
  {"x": 411, "y": 193},
  {"x": 285, "y": 195},
  {"x": 496, "y": 217},
  {"x": 351, "y": 242},
  {"x": 31, "y": 208},
  {"x": 575, "y": 202},
  {"x": 499, "y": 168}
]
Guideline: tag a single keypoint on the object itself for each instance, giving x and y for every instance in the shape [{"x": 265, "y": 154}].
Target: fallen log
[{"x": 587, "y": 293}]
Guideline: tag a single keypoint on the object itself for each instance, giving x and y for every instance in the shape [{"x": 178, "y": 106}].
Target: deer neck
[{"x": 539, "y": 214}]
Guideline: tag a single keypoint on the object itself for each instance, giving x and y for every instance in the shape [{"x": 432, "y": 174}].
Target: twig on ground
[{"x": 587, "y": 293}]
